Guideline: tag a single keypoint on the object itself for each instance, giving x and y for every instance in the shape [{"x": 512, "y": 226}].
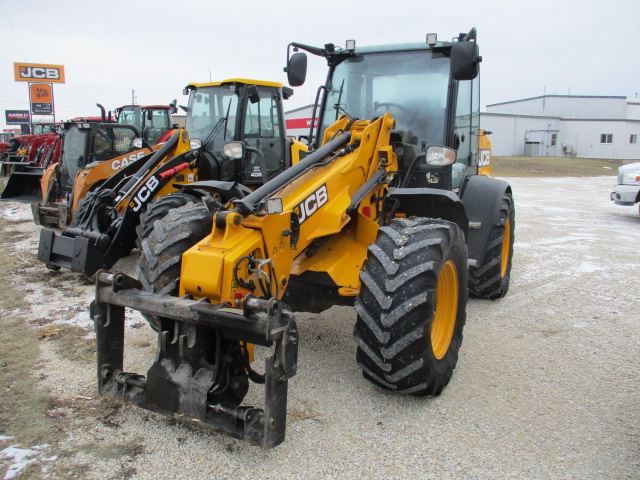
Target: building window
[
  {"x": 606, "y": 138},
  {"x": 633, "y": 138},
  {"x": 554, "y": 139}
]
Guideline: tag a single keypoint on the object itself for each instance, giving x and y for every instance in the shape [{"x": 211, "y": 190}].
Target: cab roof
[
  {"x": 400, "y": 47},
  {"x": 245, "y": 81}
]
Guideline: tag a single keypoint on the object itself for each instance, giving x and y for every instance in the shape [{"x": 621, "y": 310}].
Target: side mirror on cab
[
  {"x": 465, "y": 58},
  {"x": 252, "y": 94},
  {"x": 296, "y": 69}
]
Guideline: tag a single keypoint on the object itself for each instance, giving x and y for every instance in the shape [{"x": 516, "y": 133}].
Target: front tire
[
  {"x": 412, "y": 306},
  {"x": 491, "y": 278},
  {"x": 158, "y": 209},
  {"x": 158, "y": 267}
]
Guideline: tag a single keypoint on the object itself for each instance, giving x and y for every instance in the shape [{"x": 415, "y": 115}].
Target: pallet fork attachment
[{"x": 178, "y": 383}]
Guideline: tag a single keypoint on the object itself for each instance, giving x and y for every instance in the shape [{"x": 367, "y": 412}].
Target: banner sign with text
[
  {"x": 300, "y": 123},
  {"x": 16, "y": 117},
  {"x": 34, "y": 72},
  {"x": 41, "y": 98}
]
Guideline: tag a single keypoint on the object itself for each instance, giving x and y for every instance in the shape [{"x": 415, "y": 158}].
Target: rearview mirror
[
  {"x": 296, "y": 69},
  {"x": 252, "y": 94},
  {"x": 465, "y": 58}
]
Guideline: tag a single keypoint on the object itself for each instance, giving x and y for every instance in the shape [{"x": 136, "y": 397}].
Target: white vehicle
[{"x": 627, "y": 192}]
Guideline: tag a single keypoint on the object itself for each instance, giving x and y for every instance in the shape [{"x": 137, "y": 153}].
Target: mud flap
[
  {"x": 78, "y": 253},
  {"x": 179, "y": 382}
]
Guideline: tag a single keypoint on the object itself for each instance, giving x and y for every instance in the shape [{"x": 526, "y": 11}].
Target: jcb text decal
[
  {"x": 312, "y": 203},
  {"x": 144, "y": 193},
  {"x": 485, "y": 157}
]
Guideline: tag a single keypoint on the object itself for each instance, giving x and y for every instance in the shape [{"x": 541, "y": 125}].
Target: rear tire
[
  {"x": 412, "y": 306},
  {"x": 158, "y": 209},
  {"x": 491, "y": 278},
  {"x": 158, "y": 267}
]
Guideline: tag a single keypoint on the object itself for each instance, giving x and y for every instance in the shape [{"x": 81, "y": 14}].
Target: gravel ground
[{"x": 547, "y": 385}]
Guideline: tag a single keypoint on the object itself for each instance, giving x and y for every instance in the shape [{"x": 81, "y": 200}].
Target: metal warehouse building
[
  {"x": 298, "y": 121},
  {"x": 565, "y": 125},
  {"x": 550, "y": 125}
]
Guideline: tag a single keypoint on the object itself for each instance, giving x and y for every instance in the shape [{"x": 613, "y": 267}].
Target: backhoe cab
[
  {"x": 91, "y": 152},
  {"x": 382, "y": 215}
]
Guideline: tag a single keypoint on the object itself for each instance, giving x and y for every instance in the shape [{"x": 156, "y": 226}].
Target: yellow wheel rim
[
  {"x": 506, "y": 246},
  {"x": 444, "y": 318}
]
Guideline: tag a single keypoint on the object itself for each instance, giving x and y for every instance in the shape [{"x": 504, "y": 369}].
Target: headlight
[
  {"x": 235, "y": 150},
  {"x": 440, "y": 156},
  {"x": 631, "y": 178},
  {"x": 195, "y": 143}
]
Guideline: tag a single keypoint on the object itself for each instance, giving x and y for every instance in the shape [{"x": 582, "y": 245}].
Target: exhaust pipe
[{"x": 102, "y": 112}]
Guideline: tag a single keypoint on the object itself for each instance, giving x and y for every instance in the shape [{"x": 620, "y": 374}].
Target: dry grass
[
  {"x": 23, "y": 406},
  {"x": 554, "y": 167}
]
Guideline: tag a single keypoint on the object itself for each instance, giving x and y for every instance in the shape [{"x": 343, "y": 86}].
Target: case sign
[
  {"x": 16, "y": 117},
  {"x": 34, "y": 72}
]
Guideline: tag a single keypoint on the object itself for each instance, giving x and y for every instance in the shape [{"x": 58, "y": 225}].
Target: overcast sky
[{"x": 109, "y": 48}]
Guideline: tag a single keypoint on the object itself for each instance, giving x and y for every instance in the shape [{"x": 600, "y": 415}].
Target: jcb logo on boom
[
  {"x": 125, "y": 161},
  {"x": 312, "y": 204},
  {"x": 145, "y": 192}
]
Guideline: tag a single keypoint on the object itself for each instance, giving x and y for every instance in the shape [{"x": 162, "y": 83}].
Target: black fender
[
  {"x": 431, "y": 203},
  {"x": 482, "y": 199}
]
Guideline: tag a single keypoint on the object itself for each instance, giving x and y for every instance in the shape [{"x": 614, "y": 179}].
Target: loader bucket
[
  {"x": 23, "y": 185},
  {"x": 179, "y": 383}
]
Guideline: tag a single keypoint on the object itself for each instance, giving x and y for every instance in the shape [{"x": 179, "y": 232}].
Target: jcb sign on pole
[
  {"x": 41, "y": 98},
  {"x": 35, "y": 72}
]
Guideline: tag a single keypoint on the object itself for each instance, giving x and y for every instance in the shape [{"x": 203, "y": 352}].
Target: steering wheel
[{"x": 386, "y": 105}]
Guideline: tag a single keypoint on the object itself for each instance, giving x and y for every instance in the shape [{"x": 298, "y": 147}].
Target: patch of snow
[
  {"x": 587, "y": 267},
  {"x": 19, "y": 458}
]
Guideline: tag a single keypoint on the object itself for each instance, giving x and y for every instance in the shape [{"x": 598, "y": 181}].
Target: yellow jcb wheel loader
[
  {"x": 114, "y": 217},
  {"x": 379, "y": 215}
]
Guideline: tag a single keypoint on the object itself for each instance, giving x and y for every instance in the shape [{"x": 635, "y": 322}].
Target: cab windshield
[
  {"x": 212, "y": 115},
  {"x": 368, "y": 86},
  {"x": 74, "y": 149},
  {"x": 152, "y": 122},
  {"x": 43, "y": 128},
  {"x": 130, "y": 116}
]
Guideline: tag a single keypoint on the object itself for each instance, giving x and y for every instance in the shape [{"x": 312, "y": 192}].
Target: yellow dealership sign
[{"x": 36, "y": 72}]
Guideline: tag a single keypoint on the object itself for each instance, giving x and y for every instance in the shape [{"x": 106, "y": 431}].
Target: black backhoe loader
[{"x": 387, "y": 213}]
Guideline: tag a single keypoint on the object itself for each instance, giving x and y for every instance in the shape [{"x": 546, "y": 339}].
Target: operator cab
[
  {"x": 428, "y": 99},
  {"x": 152, "y": 121},
  {"x": 85, "y": 143},
  {"x": 248, "y": 111}
]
